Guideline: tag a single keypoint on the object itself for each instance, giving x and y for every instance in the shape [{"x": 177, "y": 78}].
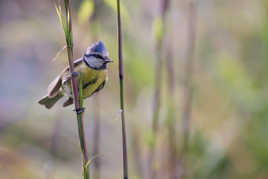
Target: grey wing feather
[
  {"x": 55, "y": 85},
  {"x": 67, "y": 77},
  {"x": 76, "y": 62}
]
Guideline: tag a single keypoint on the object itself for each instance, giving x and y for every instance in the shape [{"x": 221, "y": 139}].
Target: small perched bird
[{"x": 93, "y": 69}]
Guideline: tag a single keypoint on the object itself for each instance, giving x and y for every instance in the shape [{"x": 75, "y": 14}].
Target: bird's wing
[
  {"x": 100, "y": 87},
  {"x": 54, "y": 86},
  {"x": 76, "y": 62},
  {"x": 65, "y": 74}
]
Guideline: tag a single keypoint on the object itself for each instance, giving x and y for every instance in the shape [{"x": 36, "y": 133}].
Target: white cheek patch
[{"x": 94, "y": 62}]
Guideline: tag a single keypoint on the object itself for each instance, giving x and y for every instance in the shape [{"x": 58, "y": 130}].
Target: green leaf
[
  {"x": 59, "y": 13},
  {"x": 150, "y": 139},
  {"x": 85, "y": 11},
  {"x": 158, "y": 28}
]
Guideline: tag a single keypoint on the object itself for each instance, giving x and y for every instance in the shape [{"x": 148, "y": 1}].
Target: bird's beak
[{"x": 108, "y": 60}]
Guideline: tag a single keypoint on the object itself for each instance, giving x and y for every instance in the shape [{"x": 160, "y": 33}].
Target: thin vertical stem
[
  {"x": 78, "y": 98},
  {"x": 171, "y": 118},
  {"x": 80, "y": 116},
  {"x": 83, "y": 144},
  {"x": 158, "y": 68},
  {"x": 69, "y": 43},
  {"x": 157, "y": 92},
  {"x": 158, "y": 84},
  {"x": 188, "y": 81},
  {"x": 120, "y": 56},
  {"x": 189, "y": 72},
  {"x": 156, "y": 109}
]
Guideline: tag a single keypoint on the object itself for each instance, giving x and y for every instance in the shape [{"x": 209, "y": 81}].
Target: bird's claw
[
  {"x": 79, "y": 110},
  {"x": 75, "y": 74}
]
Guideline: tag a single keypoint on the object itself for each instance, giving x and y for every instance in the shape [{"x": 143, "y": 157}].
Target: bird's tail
[{"x": 49, "y": 102}]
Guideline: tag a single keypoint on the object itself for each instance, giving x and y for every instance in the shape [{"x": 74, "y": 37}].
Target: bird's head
[{"x": 96, "y": 56}]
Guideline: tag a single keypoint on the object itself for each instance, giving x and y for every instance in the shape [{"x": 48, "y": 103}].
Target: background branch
[
  {"x": 158, "y": 83},
  {"x": 188, "y": 81}
]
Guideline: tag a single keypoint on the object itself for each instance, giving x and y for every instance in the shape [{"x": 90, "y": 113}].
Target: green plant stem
[
  {"x": 121, "y": 77},
  {"x": 158, "y": 81},
  {"x": 70, "y": 52},
  {"x": 156, "y": 108},
  {"x": 171, "y": 117},
  {"x": 81, "y": 130},
  {"x": 78, "y": 98},
  {"x": 188, "y": 81},
  {"x": 158, "y": 68},
  {"x": 171, "y": 112},
  {"x": 158, "y": 86},
  {"x": 83, "y": 145},
  {"x": 188, "y": 88}
]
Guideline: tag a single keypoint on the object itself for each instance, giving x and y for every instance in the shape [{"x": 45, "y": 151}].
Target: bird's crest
[{"x": 97, "y": 47}]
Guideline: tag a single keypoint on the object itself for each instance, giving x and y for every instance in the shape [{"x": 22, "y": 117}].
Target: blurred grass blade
[
  {"x": 59, "y": 13},
  {"x": 158, "y": 28},
  {"x": 85, "y": 11}
]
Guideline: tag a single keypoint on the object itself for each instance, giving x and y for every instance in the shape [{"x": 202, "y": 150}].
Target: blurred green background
[{"x": 229, "y": 121}]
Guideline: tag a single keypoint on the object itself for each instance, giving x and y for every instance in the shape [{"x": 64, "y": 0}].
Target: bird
[{"x": 93, "y": 68}]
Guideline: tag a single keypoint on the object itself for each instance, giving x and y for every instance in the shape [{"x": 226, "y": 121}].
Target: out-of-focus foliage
[
  {"x": 158, "y": 28},
  {"x": 85, "y": 11}
]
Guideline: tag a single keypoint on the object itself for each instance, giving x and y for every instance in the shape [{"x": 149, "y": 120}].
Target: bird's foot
[{"x": 79, "y": 110}]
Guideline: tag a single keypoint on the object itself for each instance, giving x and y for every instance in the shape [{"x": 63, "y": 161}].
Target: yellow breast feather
[{"x": 93, "y": 80}]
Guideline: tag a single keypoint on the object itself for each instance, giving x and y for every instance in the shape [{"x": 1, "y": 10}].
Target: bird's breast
[{"x": 92, "y": 79}]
